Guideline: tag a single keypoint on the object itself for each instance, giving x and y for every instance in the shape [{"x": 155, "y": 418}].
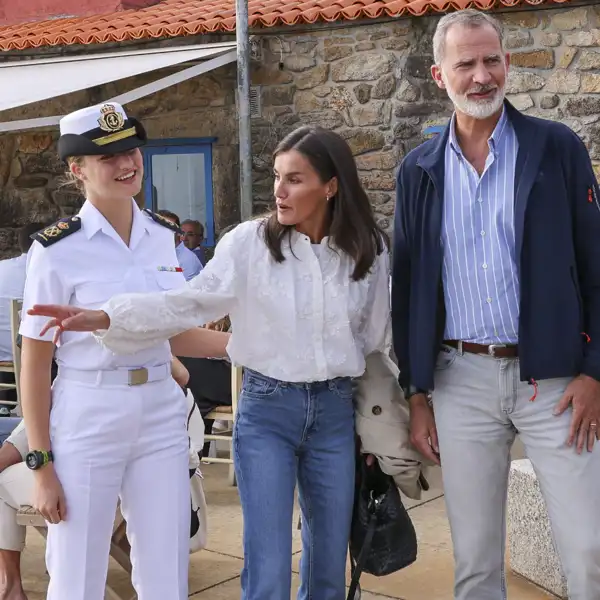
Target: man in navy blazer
[{"x": 496, "y": 311}]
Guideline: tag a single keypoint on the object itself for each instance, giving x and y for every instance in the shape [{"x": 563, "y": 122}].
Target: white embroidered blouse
[{"x": 301, "y": 320}]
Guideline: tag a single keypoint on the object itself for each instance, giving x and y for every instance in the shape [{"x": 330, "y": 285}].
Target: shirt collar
[
  {"x": 92, "y": 221},
  {"x": 493, "y": 140}
]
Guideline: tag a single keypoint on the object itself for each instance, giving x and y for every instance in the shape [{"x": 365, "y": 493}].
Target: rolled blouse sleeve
[
  {"x": 140, "y": 321},
  {"x": 376, "y": 331}
]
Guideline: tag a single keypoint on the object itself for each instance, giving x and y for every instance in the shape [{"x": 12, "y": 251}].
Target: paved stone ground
[{"x": 214, "y": 573}]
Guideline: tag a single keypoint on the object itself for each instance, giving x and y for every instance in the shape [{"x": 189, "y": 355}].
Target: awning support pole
[{"x": 243, "y": 93}]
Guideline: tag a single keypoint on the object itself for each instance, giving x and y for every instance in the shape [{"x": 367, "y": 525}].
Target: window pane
[{"x": 178, "y": 185}]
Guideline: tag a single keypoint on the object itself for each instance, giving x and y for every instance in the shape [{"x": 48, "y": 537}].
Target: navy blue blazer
[{"x": 557, "y": 228}]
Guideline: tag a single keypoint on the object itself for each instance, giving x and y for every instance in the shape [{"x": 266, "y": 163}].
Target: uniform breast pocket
[
  {"x": 166, "y": 280},
  {"x": 94, "y": 294}
]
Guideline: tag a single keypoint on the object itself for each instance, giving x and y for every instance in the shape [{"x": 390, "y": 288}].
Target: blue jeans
[
  {"x": 286, "y": 432},
  {"x": 7, "y": 424}
]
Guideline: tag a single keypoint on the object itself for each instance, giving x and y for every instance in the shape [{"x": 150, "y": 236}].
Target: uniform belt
[
  {"x": 122, "y": 376},
  {"x": 493, "y": 350}
]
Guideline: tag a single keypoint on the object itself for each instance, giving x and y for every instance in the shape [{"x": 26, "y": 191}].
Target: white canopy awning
[{"x": 28, "y": 81}]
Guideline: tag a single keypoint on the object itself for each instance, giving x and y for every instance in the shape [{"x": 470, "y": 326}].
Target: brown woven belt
[{"x": 494, "y": 350}]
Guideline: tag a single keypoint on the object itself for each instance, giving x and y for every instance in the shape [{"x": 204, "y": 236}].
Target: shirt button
[
  {"x": 479, "y": 200},
  {"x": 482, "y": 233},
  {"x": 484, "y": 265},
  {"x": 489, "y": 300}
]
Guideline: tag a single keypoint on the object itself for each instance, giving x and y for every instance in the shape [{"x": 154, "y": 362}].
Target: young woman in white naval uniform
[
  {"x": 307, "y": 293},
  {"x": 111, "y": 426}
]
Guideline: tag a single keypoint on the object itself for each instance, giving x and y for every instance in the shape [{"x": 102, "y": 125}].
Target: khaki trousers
[
  {"x": 16, "y": 490},
  {"x": 479, "y": 406}
]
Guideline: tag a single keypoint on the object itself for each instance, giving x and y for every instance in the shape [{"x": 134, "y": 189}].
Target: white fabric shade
[{"x": 24, "y": 82}]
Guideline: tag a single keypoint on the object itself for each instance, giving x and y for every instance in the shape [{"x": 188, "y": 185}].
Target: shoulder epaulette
[
  {"x": 57, "y": 231},
  {"x": 162, "y": 221}
]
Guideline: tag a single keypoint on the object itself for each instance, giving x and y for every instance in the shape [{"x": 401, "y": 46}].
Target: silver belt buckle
[
  {"x": 138, "y": 376},
  {"x": 492, "y": 349}
]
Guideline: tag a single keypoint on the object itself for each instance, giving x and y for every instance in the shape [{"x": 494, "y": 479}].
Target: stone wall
[
  {"x": 31, "y": 175},
  {"x": 372, "y": 84}
]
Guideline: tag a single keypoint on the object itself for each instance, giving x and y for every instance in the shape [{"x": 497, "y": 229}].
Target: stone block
[
  {"x": 367, "y": 66},
  {"x": 518, "y": 39},
  {"x": 534, "y": 59},
  {"x": 521, "y": 81},
  {"x": 563, "y": 82},
  {"x": 333, "y": 53},
  {"x": 589, "y": 60},
  {"x": 571, "y": 19},
  {"x": 530, "y": 547},
  {"x": 551, "y": 39}
]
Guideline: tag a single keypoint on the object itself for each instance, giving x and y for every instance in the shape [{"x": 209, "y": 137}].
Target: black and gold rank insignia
[
  {"x": 110, "y": 120},
  {"x": 162, "y": 221},
  {"x": 57, "y": 231}
]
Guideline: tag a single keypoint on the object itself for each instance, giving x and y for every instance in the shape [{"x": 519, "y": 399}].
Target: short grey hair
[
  {"x": 467, "y": 18},
  {"x": 195, "y": 223}
]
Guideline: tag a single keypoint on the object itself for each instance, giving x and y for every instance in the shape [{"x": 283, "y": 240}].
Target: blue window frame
[{"x": 178, "y": 177}]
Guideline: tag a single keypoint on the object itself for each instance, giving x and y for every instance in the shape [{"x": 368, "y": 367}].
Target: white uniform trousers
[
  {"x": 479, "y": 406},
  {"x": 128, "y": 441},
  {"x": 16, "y": 490}
]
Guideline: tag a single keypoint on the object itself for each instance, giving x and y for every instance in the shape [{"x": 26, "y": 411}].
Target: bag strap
[{"x": 358, "y": 566}]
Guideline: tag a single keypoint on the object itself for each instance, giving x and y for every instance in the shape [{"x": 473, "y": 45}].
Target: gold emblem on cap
[{"x": 111, "y": 120}]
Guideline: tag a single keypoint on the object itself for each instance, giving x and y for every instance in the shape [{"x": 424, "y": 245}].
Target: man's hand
[
  {"x": 70, "y": 318},
  {"x": 583, "y": 393},
  {"x": 423, "y": 433},
  {"x": 49, "y": 497}
]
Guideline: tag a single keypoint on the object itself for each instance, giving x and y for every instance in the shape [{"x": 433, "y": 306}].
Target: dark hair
[
  {"x": 353, "y": 227},
  {"x": 167, "y": 214},
  {"x": 25, "y": 234}
]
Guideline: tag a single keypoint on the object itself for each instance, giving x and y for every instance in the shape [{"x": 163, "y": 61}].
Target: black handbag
[{"x": 382, "y": 537}]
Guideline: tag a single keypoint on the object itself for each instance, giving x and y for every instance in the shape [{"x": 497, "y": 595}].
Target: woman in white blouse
[{"x": 307, "y": 293}]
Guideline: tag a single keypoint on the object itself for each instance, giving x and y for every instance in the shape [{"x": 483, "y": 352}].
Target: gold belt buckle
[{"x": 138, "y": 376}]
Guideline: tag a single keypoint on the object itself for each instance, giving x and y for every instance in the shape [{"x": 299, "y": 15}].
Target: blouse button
[{"x": 377, "y": 410}]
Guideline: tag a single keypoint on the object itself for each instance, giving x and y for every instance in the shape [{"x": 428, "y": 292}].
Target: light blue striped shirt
[{"x": 481, "y": 286}]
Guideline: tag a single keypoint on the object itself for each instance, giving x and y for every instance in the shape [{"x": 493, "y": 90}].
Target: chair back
[{"x": 16, "y": 306}]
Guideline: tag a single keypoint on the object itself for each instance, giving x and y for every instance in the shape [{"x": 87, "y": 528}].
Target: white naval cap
[{"x": 101, "y": 129}]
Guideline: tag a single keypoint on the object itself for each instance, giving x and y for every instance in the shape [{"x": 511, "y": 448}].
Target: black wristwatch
[{"x": 36, "y": 459}]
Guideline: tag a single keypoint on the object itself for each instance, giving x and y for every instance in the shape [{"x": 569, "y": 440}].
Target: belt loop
[
  {"x": 99, "y": 377},
  {"x": 459, "y": 347}
]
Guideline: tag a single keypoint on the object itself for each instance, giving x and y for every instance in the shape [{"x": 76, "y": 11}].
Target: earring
[{"x": 328, "y": 197}]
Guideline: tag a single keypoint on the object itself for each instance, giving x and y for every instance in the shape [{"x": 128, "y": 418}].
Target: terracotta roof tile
[{"x": 174, "y": 18}]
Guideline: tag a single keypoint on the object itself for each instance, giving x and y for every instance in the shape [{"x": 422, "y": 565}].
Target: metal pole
[{"x": 243, "y": 93}]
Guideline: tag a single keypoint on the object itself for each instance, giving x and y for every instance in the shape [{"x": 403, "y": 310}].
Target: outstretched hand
[{"x": 69, "y": 318}]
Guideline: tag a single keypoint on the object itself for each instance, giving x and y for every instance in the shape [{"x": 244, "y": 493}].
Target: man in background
[
  {"x": 188, "y": 261},
  {"x": 12, "y": 284},
  {"x": 193, "y": 236}
]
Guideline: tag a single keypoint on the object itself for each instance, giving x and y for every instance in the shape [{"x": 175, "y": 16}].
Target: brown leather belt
[{"x": 493, "y": 350}]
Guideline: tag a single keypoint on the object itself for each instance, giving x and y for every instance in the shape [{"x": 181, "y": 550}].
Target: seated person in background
[
  {"x": 16, "y": 491},
  {"x": 209, "y": 382},
  {"x": 12, "y": 284},
  {"x": 193, "y": 235},
  {"x": 188, "y": 261}
]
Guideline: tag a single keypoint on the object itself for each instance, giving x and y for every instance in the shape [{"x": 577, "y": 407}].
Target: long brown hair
[{"x": 353, "y": 227}]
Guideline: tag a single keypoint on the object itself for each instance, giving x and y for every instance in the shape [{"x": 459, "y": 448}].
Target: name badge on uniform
[{"x": 171, "y": 269}]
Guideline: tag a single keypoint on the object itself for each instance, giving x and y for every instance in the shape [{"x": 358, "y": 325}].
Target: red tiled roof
[{"x": 174, "y": 18}]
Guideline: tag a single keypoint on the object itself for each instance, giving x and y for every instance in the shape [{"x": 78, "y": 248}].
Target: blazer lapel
[{"x": 532, "y": 141}]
